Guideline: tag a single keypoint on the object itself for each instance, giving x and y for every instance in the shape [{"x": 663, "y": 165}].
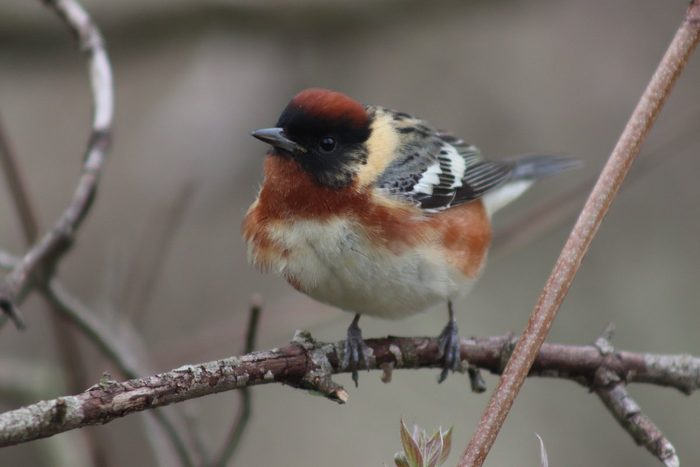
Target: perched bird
[{"x": 376, "y": 212}]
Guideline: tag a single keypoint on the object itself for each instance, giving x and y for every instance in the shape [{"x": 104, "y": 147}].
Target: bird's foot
[
  {"x": 448, "y": 348},
  {"x": 355, "y": 350}
]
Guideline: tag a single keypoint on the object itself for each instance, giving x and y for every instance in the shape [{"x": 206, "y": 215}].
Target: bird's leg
[
  {"x": 448, "y": 345},
  {"x": 355, "y": 349}
]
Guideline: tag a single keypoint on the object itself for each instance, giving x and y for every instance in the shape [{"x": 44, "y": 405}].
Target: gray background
[{"x": 194, "y": 78}]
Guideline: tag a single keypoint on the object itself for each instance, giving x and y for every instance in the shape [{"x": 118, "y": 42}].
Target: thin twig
[
  {"x": 629, "y": 415},
  {"x": 579, "y": 240},
  {"x": 612, "y": 391},
  {"x": 49, "y": 249},
  {"x": 243, "y": 416},
  {"x": 309, "y": 365}
]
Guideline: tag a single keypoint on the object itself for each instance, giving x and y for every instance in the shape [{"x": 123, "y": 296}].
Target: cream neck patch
[{"x": 382, "y": 145}]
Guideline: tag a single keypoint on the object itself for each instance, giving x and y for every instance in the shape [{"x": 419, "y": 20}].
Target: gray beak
[{"x": 276, "y": 138}]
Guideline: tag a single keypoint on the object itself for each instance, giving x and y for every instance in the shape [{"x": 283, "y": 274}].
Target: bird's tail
[
  {"x": 527, "y": 169},
  {"x": 534, "y": 166}
]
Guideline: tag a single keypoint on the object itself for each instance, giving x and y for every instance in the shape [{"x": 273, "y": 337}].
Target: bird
[{"x": 376, "y": 212}]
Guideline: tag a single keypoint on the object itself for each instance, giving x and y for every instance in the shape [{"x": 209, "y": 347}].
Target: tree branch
[
  {"x": 309, "y": 365},
  {"x": 49, "y": 249},
  {"x": 612, "y": 391},
  {"x": 578, "y": 243}
]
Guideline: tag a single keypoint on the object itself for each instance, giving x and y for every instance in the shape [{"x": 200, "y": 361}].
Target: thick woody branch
[
  {"x": 43, "y": 256},
  {"x": 309, "y": 365},
  {"x": 582, "y": 234}
]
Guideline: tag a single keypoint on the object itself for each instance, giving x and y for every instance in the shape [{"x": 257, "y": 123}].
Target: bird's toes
[
  {"x": 448, "y": 349},
  {"x": 355, "y": 353}
]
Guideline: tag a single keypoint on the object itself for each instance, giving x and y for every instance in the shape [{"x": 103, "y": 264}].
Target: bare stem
[
  {"x": 579, "y": 240},
  {"x": 611, "y": 390},
  {"x": 56, "y": 242}
]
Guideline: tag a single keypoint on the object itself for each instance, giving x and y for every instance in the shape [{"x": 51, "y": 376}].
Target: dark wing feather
[
  {"x": 436, "y": 170},
  {"x": 478, "y": 179}
]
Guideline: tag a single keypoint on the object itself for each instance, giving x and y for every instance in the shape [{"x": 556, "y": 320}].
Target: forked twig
[
  {"x": 610, "y": 388},
  {"x": 49, "y": 249}
]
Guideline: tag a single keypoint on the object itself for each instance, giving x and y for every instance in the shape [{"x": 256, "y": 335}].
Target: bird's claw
[
  {"x": 448, "y": 348},
  {"x": 355, "y": 351}
]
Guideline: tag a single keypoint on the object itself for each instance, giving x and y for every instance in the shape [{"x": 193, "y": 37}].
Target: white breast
[{"x": 334, "y": 262}]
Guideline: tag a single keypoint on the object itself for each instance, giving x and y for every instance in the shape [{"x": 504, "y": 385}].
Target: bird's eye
[{"x": 327, "y": 143}]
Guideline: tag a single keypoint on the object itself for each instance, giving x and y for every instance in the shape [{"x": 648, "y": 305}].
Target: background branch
[
  {"x": 48, "y": 250},
  {"x": 578, "y": 243},
  {"x": 308, "y": 364}
]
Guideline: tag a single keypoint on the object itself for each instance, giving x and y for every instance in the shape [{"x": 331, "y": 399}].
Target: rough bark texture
[{"x": 308, "y": 364}]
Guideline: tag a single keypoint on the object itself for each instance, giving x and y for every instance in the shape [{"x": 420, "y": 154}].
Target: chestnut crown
[{"x": 325, "y": 132}]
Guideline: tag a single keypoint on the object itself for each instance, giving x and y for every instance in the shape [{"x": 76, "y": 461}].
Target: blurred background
[{"x": 161, "y": 248}]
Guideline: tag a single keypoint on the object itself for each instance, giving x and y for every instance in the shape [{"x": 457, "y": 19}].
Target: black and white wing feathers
[{"x": 436, "y": 170}]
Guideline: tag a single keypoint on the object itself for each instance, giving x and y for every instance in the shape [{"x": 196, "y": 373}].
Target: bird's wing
[{"x": 436, "y": 170}]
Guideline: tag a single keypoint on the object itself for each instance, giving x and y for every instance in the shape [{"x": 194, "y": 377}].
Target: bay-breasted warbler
[{"x": 378, "y": 213}]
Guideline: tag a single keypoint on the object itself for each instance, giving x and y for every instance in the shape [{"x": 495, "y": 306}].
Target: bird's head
[{"x": 326, "y": 132}]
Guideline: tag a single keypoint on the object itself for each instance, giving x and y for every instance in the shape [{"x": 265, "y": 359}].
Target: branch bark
[
  {"x": 57, "y": 241},
  {"x": 309, "y": 365},
  {"x": 578, "y": 243},
  {"x": 611, "y": 390}
]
